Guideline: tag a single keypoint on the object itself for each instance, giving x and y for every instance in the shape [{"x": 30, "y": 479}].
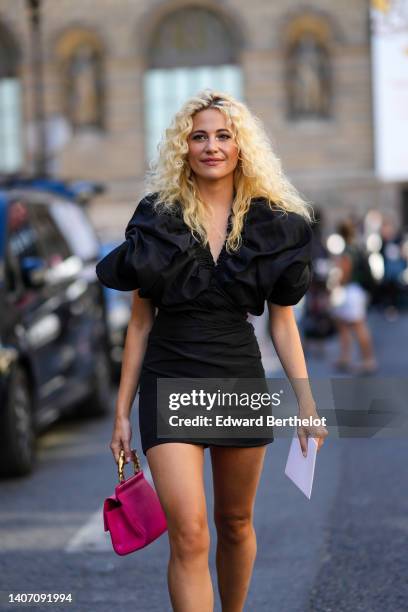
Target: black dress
[{"x": 201, "y": 328}]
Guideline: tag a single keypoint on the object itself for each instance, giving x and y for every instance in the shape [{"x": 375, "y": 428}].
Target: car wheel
[
  {"x": 17, "y": 434},
  {"x": 98, "y": 402}
]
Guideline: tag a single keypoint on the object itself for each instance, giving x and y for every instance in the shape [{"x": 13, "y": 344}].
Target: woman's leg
[
  {"x": 236, "y": 473},
  {"x": 177, "y": 472},
  {"x": 345, "y": 341},
  {"x": 365, "y": 342}
]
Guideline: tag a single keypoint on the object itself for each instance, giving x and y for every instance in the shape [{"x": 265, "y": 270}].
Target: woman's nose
[{"x": 211, "y": 144}]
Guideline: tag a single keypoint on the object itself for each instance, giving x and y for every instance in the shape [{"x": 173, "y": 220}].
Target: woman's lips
[{"x": 212, "y": 162}]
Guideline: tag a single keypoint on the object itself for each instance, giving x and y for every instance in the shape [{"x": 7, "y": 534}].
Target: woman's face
[{"x": 212, "y": 149}]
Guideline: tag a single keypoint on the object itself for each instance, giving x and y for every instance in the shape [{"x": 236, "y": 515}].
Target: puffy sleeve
[
  {"x": 117, "y": 270},
  {"x": 294, "y": 263},
  {"x": 143, "y": 261}
]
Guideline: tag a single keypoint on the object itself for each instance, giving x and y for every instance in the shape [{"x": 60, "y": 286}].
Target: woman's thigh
[
  {"x": 236, "y": 475},
  {"x": 177, "y": 472}
]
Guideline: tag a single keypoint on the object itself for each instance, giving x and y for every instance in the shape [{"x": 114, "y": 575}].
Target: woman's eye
[{"x": 201, "y": 136}]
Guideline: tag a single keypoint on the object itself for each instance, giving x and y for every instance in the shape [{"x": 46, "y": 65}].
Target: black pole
[{"x": 40, "y": 150}]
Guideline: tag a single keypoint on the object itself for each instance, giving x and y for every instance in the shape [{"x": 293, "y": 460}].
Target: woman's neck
[{"x": 216, "y": 194}]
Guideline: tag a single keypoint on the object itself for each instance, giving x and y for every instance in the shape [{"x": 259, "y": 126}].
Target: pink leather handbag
[{"x": 133, "y": 515}]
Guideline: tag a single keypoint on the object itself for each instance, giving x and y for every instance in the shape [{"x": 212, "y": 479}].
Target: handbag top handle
[{"x": 121, "y": 463}]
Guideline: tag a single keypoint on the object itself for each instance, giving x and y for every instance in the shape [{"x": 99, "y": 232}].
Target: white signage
[{"x": 389, "y": 44}]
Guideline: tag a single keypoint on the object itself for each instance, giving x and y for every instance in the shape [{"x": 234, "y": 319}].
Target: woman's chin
[{"x": 213, "y": 174}]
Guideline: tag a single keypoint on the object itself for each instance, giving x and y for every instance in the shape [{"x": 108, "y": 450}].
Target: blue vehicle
[
  {"x": 54, "y": 336},
  {"x": 80, "y": 191},
  {"x": 118, "y": 304}
]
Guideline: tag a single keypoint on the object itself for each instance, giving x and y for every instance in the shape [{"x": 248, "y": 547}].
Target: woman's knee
[
  {"x": 189, "y": 538},
  {"x": 234, "y": 527}
]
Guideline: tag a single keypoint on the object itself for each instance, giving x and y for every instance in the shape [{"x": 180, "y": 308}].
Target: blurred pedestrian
[
  {"x": 394, "y": 265},
  {"x": 317, "y": 322},
  {"x": 349, "y": 304}
]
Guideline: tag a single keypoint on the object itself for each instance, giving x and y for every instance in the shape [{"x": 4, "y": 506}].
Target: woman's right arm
[{"x": 139, "y": 326}]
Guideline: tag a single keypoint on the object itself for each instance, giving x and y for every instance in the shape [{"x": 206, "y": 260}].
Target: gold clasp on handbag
[{"x": 121, "y": 463}]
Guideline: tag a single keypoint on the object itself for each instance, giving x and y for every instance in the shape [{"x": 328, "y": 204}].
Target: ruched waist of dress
[
  {"x": 170, "y": 322},
  {"x": 201, "y": 343}
]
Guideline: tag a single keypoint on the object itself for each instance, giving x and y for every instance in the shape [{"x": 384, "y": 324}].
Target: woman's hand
[
  {"x": 121, "y": 437},
  {"x": 319, "y": 432}
]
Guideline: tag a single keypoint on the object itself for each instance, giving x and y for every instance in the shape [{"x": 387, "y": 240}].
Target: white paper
[{"x": 300, "y": 469}]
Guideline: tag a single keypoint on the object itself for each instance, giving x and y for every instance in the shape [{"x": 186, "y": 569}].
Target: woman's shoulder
[
  {"x": 145, "y": 207},
  {"x": 280, "y": 241},
  {"x": 267, "y": 222},
  {"x": 151, "y": 215}
]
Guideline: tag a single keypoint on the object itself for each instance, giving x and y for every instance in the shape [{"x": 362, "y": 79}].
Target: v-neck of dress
[
  {"x": 204, "y": 254},
  {"x": 207, "y": 247}
]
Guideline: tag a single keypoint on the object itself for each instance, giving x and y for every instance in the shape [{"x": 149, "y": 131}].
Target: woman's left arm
[{"x": 286, "y": 340}]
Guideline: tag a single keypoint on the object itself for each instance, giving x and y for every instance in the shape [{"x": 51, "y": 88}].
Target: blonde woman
[{"x": 220, "y": 231}]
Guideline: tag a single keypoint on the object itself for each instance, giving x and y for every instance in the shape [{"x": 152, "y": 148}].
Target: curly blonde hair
[{"x": 258, "y": 173}]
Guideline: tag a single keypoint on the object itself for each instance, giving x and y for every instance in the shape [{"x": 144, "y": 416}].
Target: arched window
[
  {"x": 308, "y": 68},
  {"x": 11, "y": 144},
  {"x": 190, "y": 49},
  {"x": 81, "y": 59}
]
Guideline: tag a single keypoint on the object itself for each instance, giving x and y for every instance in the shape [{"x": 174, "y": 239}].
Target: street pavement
[{"x": 345, "y": 549}]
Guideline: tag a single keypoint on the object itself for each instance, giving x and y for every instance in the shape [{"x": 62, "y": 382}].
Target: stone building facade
[{"x": 113, "y": 69}]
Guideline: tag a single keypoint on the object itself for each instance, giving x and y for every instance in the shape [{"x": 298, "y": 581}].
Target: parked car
[
  {"x": 81, "y": 191},
  {"x": 118, "y": 303},
  {"x": 54, "y": 340}
]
